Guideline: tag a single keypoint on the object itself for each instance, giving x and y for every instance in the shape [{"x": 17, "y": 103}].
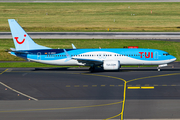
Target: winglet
[
  {"x": 73, "y": 46},
  {"x": 67, "y": 55}
]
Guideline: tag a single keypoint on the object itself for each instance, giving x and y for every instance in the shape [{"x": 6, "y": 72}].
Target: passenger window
[{"x": 165, "y": 54}]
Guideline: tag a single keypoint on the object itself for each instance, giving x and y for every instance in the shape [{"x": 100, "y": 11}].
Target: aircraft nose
[{"x": 173, "y": 58}]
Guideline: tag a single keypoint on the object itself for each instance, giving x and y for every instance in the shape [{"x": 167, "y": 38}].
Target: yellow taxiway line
[
  {"x": 133, "y": 87},
  {"x": 90, "y": 106},
  {"x": 142, "y": 87},
  {"x": 124, "y": 96},
  {"x": 149, "y": 87}
]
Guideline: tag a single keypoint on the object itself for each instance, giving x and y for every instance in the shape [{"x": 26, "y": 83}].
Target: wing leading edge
[{"x": 89, "y": 61}]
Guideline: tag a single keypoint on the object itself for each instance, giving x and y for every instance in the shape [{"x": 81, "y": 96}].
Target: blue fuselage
[{"x": 124, "y": 55}]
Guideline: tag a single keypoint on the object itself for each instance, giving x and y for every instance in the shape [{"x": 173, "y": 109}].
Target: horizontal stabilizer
[{"x": 24, "y": 52}]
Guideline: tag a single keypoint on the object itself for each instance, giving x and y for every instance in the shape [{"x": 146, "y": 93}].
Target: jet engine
[{"x": 111, "y": 64}]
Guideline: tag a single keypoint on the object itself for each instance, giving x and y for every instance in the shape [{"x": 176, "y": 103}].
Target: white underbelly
[{"x": 58, "y": 62}]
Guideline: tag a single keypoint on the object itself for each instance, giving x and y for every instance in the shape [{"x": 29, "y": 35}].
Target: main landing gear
[{"x": 92, "y": 68}]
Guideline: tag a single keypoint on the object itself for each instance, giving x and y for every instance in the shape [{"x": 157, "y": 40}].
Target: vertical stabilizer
[{"x": 22, "y": 40}]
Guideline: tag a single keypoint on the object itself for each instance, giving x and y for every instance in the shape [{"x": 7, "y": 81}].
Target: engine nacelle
[{"x": 111, "y": 65}]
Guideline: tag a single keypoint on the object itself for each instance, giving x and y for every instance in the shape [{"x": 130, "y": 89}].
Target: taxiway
[{"x": 75, "y": 93}]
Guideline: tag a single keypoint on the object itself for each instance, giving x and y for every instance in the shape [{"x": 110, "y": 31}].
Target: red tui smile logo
[{"x": 21, "y": 41}]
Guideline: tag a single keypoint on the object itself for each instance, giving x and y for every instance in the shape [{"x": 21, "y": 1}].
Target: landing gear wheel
[
  {"x": 159, "y": 69},
  {"x": 92, "y": 68}
]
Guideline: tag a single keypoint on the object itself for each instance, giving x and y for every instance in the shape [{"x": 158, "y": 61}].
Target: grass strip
[{"x": 92, "y": 16}]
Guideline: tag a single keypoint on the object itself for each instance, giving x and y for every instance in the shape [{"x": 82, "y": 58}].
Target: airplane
[{"x": 108, "y": 59}]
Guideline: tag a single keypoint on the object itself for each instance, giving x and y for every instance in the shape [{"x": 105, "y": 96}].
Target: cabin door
[
  {"x": 39, "y": 56},
  {"x": 156, "y": 55}
]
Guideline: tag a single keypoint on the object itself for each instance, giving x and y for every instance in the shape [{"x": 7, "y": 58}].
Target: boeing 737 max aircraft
[{"x": 109, "y": 59}]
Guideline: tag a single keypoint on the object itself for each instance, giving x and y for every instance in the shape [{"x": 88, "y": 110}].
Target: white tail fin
[{"x": 22, "y": 40}]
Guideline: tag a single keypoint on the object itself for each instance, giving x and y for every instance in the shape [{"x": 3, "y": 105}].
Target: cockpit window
[{"x": 165, "y": 54}]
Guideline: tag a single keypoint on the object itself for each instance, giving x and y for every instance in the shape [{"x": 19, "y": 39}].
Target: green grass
[{"x": 92, "y": 16}]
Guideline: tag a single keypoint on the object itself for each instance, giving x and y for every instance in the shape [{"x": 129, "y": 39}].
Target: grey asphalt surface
[
  {"x": 169, "y": 36},
  {"x": 60, "y": 89}
]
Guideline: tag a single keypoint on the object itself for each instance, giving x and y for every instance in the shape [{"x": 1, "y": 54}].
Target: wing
[
  {"x": 73, "y": 46},
  {"x": 89, "y": 61}
]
